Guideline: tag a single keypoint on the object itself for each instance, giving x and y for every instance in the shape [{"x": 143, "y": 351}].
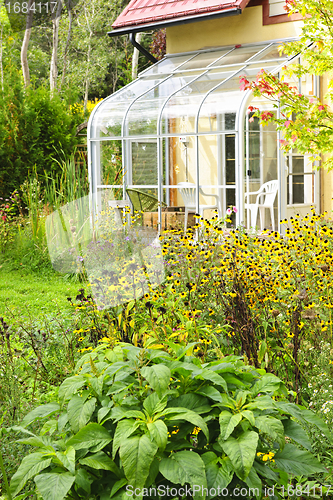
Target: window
[{"x": 276, "y": 7}]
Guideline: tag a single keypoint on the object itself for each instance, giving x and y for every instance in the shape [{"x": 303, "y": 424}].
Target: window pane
[{"x": 144, "y": 162}]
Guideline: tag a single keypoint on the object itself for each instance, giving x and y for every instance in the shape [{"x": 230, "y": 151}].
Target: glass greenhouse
[{"x": 185, "y": 119}]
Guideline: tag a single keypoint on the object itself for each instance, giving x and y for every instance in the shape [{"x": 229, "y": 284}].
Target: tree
[
  {"x": 307, "y": 123},
  {"x": 55, "y": 42},
  {"x": 25, "y": 45}
]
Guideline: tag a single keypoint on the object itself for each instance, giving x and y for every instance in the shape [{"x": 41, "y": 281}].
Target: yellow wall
[
  {"x": 241, "y": 29},
  {"x": 326, "y": 185},
  {"x": 233, "y": 30}
]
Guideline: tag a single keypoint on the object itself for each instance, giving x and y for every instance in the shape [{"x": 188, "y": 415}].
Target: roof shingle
[{"x": 139, "y": 12}]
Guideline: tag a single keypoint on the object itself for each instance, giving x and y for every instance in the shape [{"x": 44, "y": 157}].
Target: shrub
[
  {"x": 145, "y": 418},
  {"x": 35, "y": 129}
]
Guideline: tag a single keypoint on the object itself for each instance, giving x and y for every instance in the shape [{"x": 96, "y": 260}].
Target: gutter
[
  {"x": 173, "y": 22},
  {"x": 141, "y": 49}
]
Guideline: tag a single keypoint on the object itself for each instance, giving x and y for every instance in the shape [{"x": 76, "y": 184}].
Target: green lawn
[{"x": 31, "y": 293}]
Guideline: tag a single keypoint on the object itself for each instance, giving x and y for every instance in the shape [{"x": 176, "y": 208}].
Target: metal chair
[
  {"x": 143, "y": 202},
  {"x": 187, "y": 190},
  {"x": 268, "y": 191}
]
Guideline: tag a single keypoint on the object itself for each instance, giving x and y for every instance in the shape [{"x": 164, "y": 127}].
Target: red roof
[{"x": 145, "y": 12}]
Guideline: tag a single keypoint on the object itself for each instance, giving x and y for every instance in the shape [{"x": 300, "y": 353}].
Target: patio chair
[
  {"x": 119, "y": 207},
  {"x": 267, "y": 194},
  {"x": 187, "y": 190},
  {"x": 143, "y": 202}
]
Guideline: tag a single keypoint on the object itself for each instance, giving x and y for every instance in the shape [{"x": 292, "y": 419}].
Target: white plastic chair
[
  {"x": 187, "y": 190},
  {"x": 268, "y": 191}
]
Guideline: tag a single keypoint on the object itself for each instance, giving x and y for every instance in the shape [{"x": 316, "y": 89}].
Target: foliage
[
  {"x": 264, "y": 298},
  {"x": 136, "y": 418},
  {"x": 9, "y": 220},
  {"x": 307, "y": 123},
  {"x": 158, "y": 44},
  {"x": 35, "y": 130}
]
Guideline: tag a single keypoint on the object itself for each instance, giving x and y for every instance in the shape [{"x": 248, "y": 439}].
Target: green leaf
[
  {"x": 210, "y": 392},
  {"x": 29, "y": 467},
  {"x": 265, "y": 471},
  {"x": 249, "y": 416},
  {"x": 102, "y": 413},
  {"x": 210, "y": 460},
  {"x": 262, "y": 351},
  {"x": 40, "y": 412},
  {"x": 296, "y": 432},
  {"x": 311, "y": 418},
  {"x": 67, "y": 459},
  {"x": 185, "y": 467},
  {"x": 93, "y": 436},
  {"x": 189, "y": 416},
  {"x": 80, "y": 411},
  {"x": 158, "y": 377},
  {"x": 273, "y": 427},
  {"x": 261, "y": 403},
  {"x": 191, "y": 401},
  {"x": 228, "y": 422},
  {"x": 304, "y": 415},
  {"x": 225, "y": 473},
  {"x": 298, "y": 462},
  {"x": 136, "y": 454},
  {"x": 153, "y": 404},
  {"x": 83, "y": 480},
  {"x": 232, "y": 380},
  {"x": 212, "y": 376},
  {"x": 50, "y": 426},
  {"x": 100, "y": 461},
  {"x": 254, "y": 483},
  {"x": 54, "y": 486},
  {"x": 242, "y": 452},
  {"x": 70, "y": 386},
  {"x": 267, "y": 383},
  {"x": 217, "y": 476},
  {"x": 116, "y": 487},
  {"x": 153, "y": 471},
  {"x": 43, "y": 442},
  {"x": 158, "y": 433},
  {"x": 124, "y": 430}
]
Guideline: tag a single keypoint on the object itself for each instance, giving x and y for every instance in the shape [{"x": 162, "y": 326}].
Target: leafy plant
[{"x": 133, "y": 419}]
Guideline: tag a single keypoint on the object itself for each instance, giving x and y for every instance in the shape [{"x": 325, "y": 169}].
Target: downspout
[{"x": 141, "y": 49}]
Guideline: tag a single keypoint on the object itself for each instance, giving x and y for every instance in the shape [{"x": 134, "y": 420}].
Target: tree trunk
[
  {"x": 87, "y": 79},
  {"x": 25, "y": 44},
  {"x": 135, "y": 60},
  {"x": 1, "y": 61},
  {"x": 69, "y": 34},
  {"x": 55, "y": 41}
]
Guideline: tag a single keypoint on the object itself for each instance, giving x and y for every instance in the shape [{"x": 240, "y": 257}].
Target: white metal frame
[{"x": 239, "y": 131}]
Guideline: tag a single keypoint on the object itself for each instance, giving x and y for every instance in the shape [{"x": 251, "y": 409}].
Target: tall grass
[
  {"x": 67, "y": 186},
  {"x": 41, "y": 196}
]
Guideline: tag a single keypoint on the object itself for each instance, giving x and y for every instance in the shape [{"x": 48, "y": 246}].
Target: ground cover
[
  {"x": 263, "y": 304},
  {"x": 40, "y": 295}
]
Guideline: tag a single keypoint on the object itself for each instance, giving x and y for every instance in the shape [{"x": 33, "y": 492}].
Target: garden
[{"x": 214, "y": 380}]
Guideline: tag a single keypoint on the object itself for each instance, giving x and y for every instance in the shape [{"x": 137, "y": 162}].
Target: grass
[{"x": 41, "y": 295}]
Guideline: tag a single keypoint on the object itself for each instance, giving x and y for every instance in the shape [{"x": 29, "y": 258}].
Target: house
[{"x": 185, "y": 118}]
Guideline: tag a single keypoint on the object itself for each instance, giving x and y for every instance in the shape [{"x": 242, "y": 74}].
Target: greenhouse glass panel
[{"x": 185, "y": 120}]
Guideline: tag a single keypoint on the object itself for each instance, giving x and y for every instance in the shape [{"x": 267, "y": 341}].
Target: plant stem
[{"x": 5, "y": 480}]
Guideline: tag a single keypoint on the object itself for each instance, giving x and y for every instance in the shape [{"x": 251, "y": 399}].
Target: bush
[
  {"x": 35, "y": 129},
  {"x": 145, "y": 418}
]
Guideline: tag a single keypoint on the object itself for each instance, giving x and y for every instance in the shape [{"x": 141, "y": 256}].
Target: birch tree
[
  {"x": 55, "y": 42},
  {"x": 25, "y": 45}
]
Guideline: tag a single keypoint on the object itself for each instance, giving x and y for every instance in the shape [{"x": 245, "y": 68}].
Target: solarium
[{"x": 185, "y": 119}]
